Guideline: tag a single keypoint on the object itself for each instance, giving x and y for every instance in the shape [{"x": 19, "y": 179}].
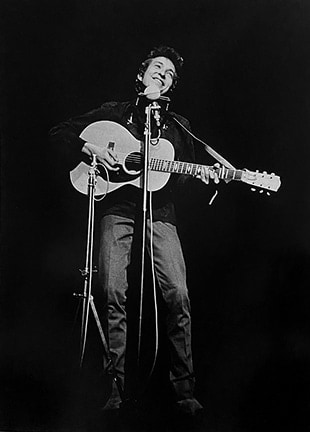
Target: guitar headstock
[{"x": 271, "y": 182}]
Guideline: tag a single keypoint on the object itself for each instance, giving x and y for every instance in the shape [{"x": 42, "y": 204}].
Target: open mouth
[{"x": 158, "y": 80}]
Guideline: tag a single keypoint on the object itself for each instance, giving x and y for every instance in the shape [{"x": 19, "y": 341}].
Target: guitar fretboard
[{"x": 192, "y": 169}]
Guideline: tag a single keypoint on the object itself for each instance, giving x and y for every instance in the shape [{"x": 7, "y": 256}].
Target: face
[{"x": 160, "y": 72}]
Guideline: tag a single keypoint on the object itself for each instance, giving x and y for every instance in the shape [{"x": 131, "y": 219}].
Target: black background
[{"x": 245, "y": 88}]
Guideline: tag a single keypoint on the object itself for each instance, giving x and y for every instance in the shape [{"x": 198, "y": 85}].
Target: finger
[
  {"x": 106, "y": 163},
  {"x": 214, "y": 176},
  {"x": 111, "y": 158},
  {"x": 113, "y": 155},
  {"x": 206, "y": 175}
]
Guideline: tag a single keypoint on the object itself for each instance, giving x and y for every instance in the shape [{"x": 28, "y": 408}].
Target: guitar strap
[{"x": 208, "y": 149}]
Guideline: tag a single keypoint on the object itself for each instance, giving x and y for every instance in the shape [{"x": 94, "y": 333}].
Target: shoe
[
  {"x": 190, "y": 407},
  {"x": 114, "y": 402}
]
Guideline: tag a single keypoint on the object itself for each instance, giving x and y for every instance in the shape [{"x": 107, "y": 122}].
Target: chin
[{"x": 164, "y": 91}]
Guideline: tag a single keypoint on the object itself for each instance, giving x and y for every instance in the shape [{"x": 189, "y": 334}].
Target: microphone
[
  {"x": 151, "y": 92},
  {"x": 156, "y": 108}
]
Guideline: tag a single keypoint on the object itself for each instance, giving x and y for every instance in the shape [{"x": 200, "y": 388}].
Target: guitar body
[
  {"x": 108, "y": 134},
  {"x": 129, "y": 150}
]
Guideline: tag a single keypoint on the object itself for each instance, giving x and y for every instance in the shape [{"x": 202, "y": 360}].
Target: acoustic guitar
[{"x": 161, "y": 163}]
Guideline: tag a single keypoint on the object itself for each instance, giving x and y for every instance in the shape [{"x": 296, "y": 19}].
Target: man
[{"x": 120, "y": 215}]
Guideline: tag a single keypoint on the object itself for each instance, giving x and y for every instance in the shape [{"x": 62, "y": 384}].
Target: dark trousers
[{"x": 114, "y": 258}]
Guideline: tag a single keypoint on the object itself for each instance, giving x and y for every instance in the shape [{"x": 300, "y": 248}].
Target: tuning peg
[
  {"x": 268, "y": 193},
  {"x": 253, "y": 189},
  {"x": 261, "y": 191},
  {"x": 272, "y": 174}
]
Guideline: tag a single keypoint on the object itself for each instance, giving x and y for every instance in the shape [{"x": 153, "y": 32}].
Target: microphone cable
[
  {"x": 154, "y": 287},
  {"x": 149, "y": 238},
  {"x": 107, "y": 181}
]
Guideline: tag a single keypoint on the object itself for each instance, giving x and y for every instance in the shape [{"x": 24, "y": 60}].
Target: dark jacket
[{"x": 126, "y": 201}]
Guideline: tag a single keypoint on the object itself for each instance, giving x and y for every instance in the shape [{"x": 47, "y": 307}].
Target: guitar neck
[{"x": 192, "y": 169}]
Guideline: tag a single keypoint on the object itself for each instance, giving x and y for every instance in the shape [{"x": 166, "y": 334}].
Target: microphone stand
[
  {"x": 87, "y": 273},
  {"x": 88, "y": 270},
  {"x": 147, "y": 143}
]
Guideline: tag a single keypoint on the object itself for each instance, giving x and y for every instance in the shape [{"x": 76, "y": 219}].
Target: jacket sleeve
[{"x": 65, "y": 137}]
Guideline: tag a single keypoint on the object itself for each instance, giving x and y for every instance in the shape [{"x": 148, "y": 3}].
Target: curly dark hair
[{"x": 161, "y": 51}]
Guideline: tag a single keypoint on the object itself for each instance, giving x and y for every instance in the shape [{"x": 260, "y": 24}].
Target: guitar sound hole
[{"x": 134, "y": 162}]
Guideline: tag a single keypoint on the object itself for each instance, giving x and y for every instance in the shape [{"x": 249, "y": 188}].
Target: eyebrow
[{"x": 161, "y": 63}]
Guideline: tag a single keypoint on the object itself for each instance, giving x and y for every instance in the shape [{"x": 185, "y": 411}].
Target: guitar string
[
  {"x": 181, "y": 165},
  {"x": 169, "y": 164},
  {"x": 172, "y": 166}
]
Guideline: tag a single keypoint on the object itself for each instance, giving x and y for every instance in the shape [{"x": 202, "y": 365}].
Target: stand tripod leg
[
  {"x": 88, "y": 271},
  {"x": 88, "y": 301},
  {"x": 110, "y": 366}
]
